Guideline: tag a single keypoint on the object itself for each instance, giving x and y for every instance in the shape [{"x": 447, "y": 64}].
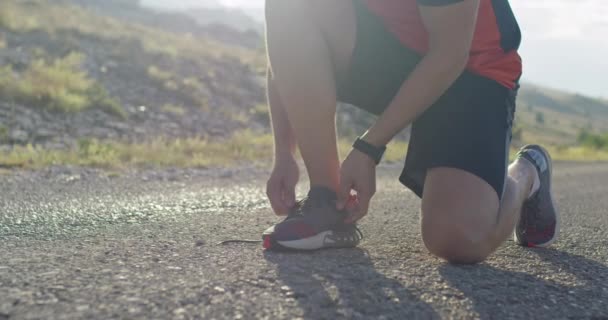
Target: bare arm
[
  {"x": 284, "y": 138},
  {"x": 451, "y": 29},
  {"x": 281, "y": 185}
]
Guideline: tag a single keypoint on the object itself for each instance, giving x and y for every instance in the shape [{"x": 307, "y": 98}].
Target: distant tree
[
  {"x": 517, "y": 134},
  {"x": 540, "y": 118},
  {"x": 595, "y": 141}
]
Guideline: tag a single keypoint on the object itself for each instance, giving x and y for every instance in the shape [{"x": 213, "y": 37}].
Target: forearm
[
  {"x": 431, "y": 78},
  {"x": 284, "y": 138}
]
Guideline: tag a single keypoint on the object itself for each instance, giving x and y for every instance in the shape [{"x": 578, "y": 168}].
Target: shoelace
[
  {"x": 295, "y": 211},
  {"x": 302, "y": 205}
]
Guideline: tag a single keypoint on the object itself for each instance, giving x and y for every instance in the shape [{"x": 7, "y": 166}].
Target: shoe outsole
[
  {"x": 314, "y": 243},
  {"x": 555, "y": 209}
]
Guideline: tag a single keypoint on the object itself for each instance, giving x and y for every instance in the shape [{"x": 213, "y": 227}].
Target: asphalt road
[{"x": 82, "y": 244}]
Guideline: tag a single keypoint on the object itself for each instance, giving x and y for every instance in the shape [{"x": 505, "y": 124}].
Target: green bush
[
  {"x": 59, "y": 85},
  {"x": 261, "y": 114},
  {"x": 540, "y": 118},
  {"x": 100, "y": 98},
  {"x": 591, "y": 140},
  {"x": 3, "y": 133}
]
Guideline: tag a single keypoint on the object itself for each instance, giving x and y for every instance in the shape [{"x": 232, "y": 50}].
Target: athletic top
[{"x": 497, "y": 35}]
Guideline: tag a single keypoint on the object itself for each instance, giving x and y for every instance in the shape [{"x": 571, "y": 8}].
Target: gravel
[{"x": 84, "y": 243}]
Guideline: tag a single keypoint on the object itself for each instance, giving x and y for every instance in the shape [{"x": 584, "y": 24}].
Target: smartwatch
[{"x": 369, "y": 149}]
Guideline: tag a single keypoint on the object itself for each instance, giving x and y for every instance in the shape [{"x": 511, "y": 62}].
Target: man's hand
[
  {"x": 358, "y": 173},
  {"x": 281, "y": 186}
]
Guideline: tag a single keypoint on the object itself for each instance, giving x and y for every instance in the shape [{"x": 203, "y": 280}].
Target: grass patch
[
  {"x": 579, "y": 153},
  {"x": 3, "y": 133},
  {"x": 173, "y": 109},
  {"x": 243, "y": 147},
  {"x": 58, "y": 85},
  {"x": 572, "y": 153},
  {"x": 52, "y": 18},
  {"x": 189, "y": 87}
]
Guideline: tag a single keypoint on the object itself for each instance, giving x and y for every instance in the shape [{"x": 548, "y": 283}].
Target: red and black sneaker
[
  {"x": 539, "y": 222},
  {"x": 314, "y": 223}
]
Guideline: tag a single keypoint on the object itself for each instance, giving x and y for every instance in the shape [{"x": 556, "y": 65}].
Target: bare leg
[
  {"x": 307, "y": 42},
  {"x": 462, "y": 219},
  {"x": 519, "y": 183}
]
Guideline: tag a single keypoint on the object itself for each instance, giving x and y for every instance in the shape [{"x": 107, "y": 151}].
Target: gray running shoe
[
  {"x": 314, "y": 223},
  {"x": 539, "y": 222}
]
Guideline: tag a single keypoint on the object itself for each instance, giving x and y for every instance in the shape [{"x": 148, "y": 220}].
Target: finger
[
  {"x": 343, "y": 193},
  {"x": 352, "y": 203},
  {"x": 275, "y": 196},
  {"x": 361, "y": 208}
]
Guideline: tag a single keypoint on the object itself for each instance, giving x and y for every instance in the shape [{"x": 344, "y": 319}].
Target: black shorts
[{"x": 468, "y": 128}]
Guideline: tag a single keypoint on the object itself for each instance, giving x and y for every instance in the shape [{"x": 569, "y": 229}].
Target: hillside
[
  {"x": 557, "y": 117},
  {"x": 77, "y": 69},
  {"x": 80, "y": 69}
]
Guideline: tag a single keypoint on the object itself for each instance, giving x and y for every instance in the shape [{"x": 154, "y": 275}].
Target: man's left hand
[{"x": 358, "y": 173}]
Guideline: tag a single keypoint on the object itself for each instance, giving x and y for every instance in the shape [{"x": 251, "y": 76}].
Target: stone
[
  {"x": 19, "y": 136},
  {"x": 44, "y": 134},
  {"x": 24, "y": 121},
  {"x": 118, "y": 126}
]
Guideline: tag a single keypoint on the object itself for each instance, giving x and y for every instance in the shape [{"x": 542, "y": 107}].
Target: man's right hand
[{"x": 281, "y": 187}]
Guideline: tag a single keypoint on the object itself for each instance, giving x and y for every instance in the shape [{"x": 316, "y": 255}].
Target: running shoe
[
  {"x": 540, "y": 221},
  {"x": 314, "y": 223}
]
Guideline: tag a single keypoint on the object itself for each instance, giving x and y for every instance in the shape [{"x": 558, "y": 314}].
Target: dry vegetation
[
  {"x": 570, "y": 124},
  {"x": 242, "y": 148},
  {"x": 43, "y": 15},
  {"x": 58, "y": 85}
]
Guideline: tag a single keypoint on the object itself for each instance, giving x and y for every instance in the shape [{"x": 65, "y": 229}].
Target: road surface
[{"x": 84, "y": 244}]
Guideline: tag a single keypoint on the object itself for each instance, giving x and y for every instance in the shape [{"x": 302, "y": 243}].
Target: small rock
[
  {"x": 227, "y": 174},
  {"x": 179, "y": 311},
  {"x": 44, "y": 133},
  {"x": 25, "y": 121},
  {"x": 219, "y": 289},
  {"x": 71, "y": 178},
  {"x": 119, "y": 126},
  {"x": 82, "y": 308},
  {"x": 19, "y": 136}
]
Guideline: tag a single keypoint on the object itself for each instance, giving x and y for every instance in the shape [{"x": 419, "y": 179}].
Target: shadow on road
[
  {"x": 565, "y": 286},
  {"x": 337, "y": 284}
]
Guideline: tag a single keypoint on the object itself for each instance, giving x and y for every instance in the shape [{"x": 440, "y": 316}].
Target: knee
[{"x": 453, "y": 241}]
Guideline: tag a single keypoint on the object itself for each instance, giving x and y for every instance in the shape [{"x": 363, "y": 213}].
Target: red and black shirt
[{"x": 497, "y": 35}]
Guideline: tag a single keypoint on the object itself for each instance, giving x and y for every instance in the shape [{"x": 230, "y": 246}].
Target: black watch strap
[{"x": 369, "y": 149}]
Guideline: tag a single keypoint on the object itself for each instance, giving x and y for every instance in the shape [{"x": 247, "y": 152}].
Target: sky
[{"x": 565, "y": 42}]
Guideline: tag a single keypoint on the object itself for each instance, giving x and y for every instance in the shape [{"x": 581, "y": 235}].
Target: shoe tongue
[{"x": 322, "y": 195}]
